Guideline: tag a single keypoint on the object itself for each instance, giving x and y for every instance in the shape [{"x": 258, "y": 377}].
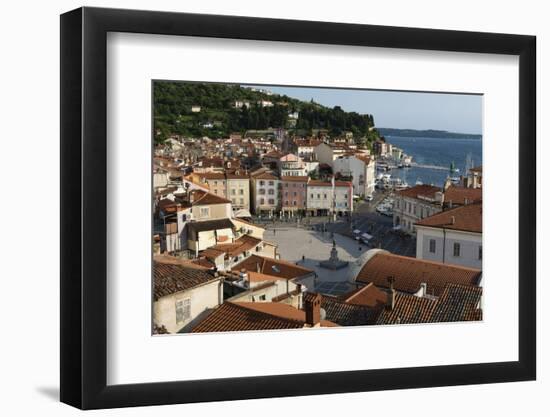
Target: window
[
  {"x": 261, "y": 191},
  {"x": 262, "y": 182},
  {"x": 294, "y": 203},
  {"x": 294, "y": 193},
  {"x": 242, "y": 200},
  {"x": 319, "y": 196},
  {"x": 183, "y": 310},
  {"x": 233, "y": 192},
  {"x": 205, "y": 212},
  {"x": 286, "y": 193},
  {"x": 262, "y": 201},
  {"x": 241, "y": 192},
  {"x": 271, "y": 201},
  {"x": 456, "y": 249},
  {"x": 286, "y": 184},
  {"x": 432, "y": 245},
  {"x": 345, "y": 196},
  {"x": 215, "y": 191},
  {"x": 271, "y": 183},
  {"x": 480, "y": 253},
  {"x": 261, "y": 297},
  {"x": 271, "y": 191},
  {"x": 325, "y": 196},
  {"x": 311, "y": 195},
  {"x": 286, "y": 203}
]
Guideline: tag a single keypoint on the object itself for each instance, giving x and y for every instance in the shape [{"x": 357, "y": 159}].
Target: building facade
[
  {"x": 293, "y": 195},
  {"x": 414, "y": 204}
]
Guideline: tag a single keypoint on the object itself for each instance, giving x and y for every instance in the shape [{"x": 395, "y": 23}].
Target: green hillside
[{"x": 218, "y": 116}]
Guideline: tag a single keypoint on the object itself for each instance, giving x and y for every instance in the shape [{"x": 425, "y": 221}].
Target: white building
[
  {"x": 452, "y": 237},
  {"x": 414, "y": 204},
  {"x": 327, "y": 153},
  {"x": 183, "y": 293},
  {"x": 325, "y": 198},
  {"x": 361, "y": 169}
]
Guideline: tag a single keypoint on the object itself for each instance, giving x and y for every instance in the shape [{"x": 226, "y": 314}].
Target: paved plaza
[{"x": 295, "y": 243}]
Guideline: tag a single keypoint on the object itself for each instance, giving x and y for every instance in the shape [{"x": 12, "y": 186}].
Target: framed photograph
[{"x": 257, "y": 208}]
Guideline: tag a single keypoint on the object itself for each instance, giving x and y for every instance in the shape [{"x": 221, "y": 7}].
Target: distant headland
[{"x": 429, "y": 133}]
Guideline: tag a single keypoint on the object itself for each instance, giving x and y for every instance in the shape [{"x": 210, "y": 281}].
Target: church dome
[{"x": 356, "y": 266}]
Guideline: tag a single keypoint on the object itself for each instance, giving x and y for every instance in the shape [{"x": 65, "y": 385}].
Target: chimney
[
  {"x": 313, "y": 311},
  {"x": 258, "y": 270},
  {"x": 423, "y": 289},
  {"x": 390, "y": 301},
  {"x": 452, "y": 219}
]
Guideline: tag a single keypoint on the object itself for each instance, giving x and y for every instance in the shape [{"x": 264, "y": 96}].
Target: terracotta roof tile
[
  {"x": 408, "y": 309},
  {"x": 172, "y": 278},
  {"x": 462, "y": 195},
  {"x": 458, "y": 303},
  {"x": 466, "y": 218},
  {"x": 369, "y": 295},
  {"x": 297, "y": 178},
  {"x": 424, "y": 190},
  {"x": 273, "y": 267},
  {"x": 230, "y": 317},
  {"x": 202, "y": 198},
  {"x": 409, "y": 273}
]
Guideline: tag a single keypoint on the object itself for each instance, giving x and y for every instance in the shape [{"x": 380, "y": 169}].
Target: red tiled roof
[
  {"x": 458, "y": 303},
  {"x": 167, "y": 259},
  {"x": 273, "y": 267},
  {"x": 465, "y": 218},
  {"x": 423, "y": 190},
  {"x": 282, "y": 310},
  {"x": 231, "y": 317},
  {"x": 462, "y": 195},
  {"x": 297, "y": 178},
  {"x": 211, "y": 175},
  {"x": 172, "y": 278},
  {"x": 369, "y": 295},
  {"x": 202, "y": 198},
  {"x": 408, "y": 309},
  {"x": 265, "y": 176},
  {"x": 241, "y": 245},
  {"x": 409, "y": 273}
]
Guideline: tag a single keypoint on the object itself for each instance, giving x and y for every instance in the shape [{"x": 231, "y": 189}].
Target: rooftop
[
  {"x": 272, "y": 267},
  {"x": 462, "y": 195},
  {"x": 170, "y": 278},
  {"x": 464, "y": 218},
  {"x": 424, "y": 190},
  {"x": 409, "y": 273},
  {"x": 237, "y": 317}
]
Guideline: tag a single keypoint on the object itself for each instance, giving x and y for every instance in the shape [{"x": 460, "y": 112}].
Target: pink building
[{"x": 293, "y": 194}]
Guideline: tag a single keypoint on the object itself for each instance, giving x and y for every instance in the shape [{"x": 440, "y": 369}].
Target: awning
[{"x": 366, "y": 236}]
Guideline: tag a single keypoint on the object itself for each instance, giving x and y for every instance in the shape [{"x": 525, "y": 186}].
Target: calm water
[{"x": 439, "y": 152}]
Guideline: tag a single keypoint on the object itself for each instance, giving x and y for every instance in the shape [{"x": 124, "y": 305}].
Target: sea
[{"x": 435, "y": 156}]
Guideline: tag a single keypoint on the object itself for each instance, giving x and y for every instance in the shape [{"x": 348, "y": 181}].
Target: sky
[{"x": 459, "y": 113}]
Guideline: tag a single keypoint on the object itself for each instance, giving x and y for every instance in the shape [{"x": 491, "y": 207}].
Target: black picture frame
[{"x": 84, "y": 207}]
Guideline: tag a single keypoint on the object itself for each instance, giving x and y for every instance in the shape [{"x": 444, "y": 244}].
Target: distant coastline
[{"x": 429, "y": 133}]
